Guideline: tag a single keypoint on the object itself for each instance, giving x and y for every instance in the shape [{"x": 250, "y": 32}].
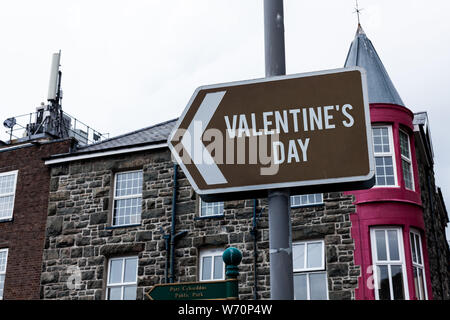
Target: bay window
[
  {"x": 389, "y": 264},
  {"x": 383, "y": 146},
  {"x": 418, "y": 266},
  {"x": 405, "y": 151}
]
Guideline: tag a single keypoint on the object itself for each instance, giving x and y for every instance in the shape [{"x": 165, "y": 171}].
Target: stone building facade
[
  {"x": 434, "y": 211},
  {"x": 81, "y": 239}
]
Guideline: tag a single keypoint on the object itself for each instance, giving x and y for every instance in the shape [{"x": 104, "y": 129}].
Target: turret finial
[{"x": 358, "y": 12}]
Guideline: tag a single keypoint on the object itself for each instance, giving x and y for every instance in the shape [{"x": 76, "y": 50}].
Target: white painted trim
[
  {"x": 213, "y": 252},
  {"x": 121, "y": 284},
  {"x": 308, "y": 282},
  {"x": 16, "y": 174},
  {"x": 306, "y": 243},
  {"x": 6, "y": 265},
  {"x": 200, "y": 206},
  {"x": 409, "y": 161},
  {"x": 105, "y": 153},
  {"x": 306, "y": 204},
  {"x": 389, "y": 262},
  {"x": 308, "y": 271},
  {"x": 386, "y": 154},
  {"x": 419, "y": 250},
  {"x": 132, "y": 196}
]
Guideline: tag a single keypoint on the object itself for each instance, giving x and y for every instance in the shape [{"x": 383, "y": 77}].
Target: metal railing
[{"x": 27, "y": 126}]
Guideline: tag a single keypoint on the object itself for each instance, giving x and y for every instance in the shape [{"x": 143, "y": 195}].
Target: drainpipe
[
  {"x": 172, "y": 232},
  {"x": 173, "y": 236},
  {"x": 166, "y": 238}
]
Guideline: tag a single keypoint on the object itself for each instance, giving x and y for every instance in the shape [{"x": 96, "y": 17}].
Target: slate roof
[
  {"x": 148, "y": 135},
  {"x": 363, "y": 54}
]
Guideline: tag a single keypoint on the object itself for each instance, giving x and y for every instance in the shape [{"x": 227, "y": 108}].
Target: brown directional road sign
[{"x": 308, "y": 132}]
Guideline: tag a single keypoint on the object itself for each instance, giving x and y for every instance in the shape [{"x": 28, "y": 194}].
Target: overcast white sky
[{"x": 131, "y": 64}]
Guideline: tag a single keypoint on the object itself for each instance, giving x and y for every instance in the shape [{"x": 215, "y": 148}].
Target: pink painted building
[{"x": 388, "y": 226}]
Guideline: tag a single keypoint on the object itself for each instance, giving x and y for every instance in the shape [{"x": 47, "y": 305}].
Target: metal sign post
[{"x": 280, "y": 241}]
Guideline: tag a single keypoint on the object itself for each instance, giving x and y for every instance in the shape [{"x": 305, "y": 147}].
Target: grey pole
[
  {"x": 280, "y": 240},
  {"x": 280, "y": 246},
  {"x": 274, "y": 38}
]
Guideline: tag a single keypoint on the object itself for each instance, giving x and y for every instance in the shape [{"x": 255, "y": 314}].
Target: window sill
[
  {"x": 209, "y": 217},
  {"x": 6, "y": 220},
  {"x": 307, "y": 205},
  {"x": 385, "y": 186},
  {"x": 123, "y": 226},
  {"x": 312, "y": 270}
]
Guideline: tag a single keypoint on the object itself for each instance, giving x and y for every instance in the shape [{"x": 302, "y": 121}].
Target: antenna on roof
[
  {"x": 54, "y": 86},
  {"x": 357, "y": 11},
  {"x": 54, "y": 117},
  {"x": 50, "y": 122}
]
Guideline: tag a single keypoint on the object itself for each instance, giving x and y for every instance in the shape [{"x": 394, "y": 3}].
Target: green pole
[{"x": 232, "y": 258}]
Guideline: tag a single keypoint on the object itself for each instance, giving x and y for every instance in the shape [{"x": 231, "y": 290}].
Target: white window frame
[
  {"x": 389, "y": 262},
  {"x": 15, "y": 173},
  {"x": 308, "y": 271},
  {"x": 210, "y": 253},
  {"x": 4, "y": 272},
  {"x": 121, "y": 284},
  {"x": 307, "y": 204},
  {"x": 386, "y": 154},
  {"x": 306, "y": 243},
  {"x": 201, "y": 202},
  {"x": 137, "y": 195},
  {"x": 416, "y": 264},
  {"x": 409, "y": 161}
]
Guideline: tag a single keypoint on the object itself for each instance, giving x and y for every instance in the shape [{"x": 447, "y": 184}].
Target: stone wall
[
  {"x": 331, "y": 222},
  {"x": 435, "y": 220},
  {"x": 79, "y": 235}
]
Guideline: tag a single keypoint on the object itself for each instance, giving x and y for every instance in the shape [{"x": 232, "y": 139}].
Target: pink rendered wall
[{"x": 389, "y": 206}]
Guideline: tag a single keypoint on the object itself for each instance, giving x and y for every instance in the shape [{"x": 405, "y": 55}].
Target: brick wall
[
  {"x": 24, "y": 235},
  {"x": 79, "y": 235}
]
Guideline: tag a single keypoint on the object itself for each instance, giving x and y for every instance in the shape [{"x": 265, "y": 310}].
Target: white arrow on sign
[{"x": 200, "y": 155}]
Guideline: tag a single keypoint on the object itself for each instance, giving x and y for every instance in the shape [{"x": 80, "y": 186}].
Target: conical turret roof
[{"x": 363, "y": 54}]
